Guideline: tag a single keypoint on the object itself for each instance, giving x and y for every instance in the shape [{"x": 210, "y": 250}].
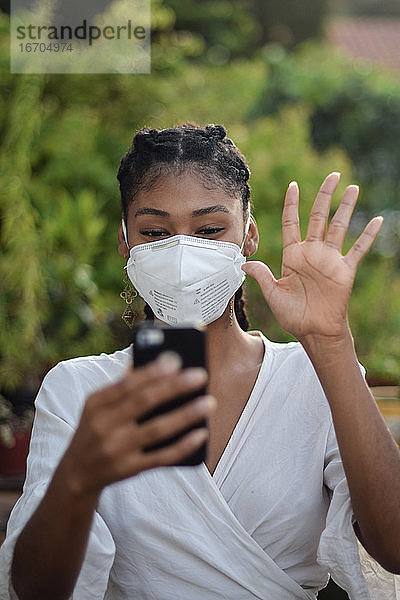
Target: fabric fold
[
  {"x": 349, "y": 564},
  {"x": 185, "y": 549}
]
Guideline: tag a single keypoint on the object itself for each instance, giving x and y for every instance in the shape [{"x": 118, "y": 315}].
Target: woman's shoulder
[
  {"x": 94, "y": 362},
  {"x": 83, "y": 375},
  {"x": 105, "y": 365}
]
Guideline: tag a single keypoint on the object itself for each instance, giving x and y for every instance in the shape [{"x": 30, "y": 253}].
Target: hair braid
[
  {"x": 206, "y": 152},
  {"x": 240, "y": 312},
  {"x": 148, "y": 312}
]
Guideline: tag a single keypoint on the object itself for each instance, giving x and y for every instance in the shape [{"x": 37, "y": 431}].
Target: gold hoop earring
[
  {"x": 128, "y": 294},
  {"x": 231, "y": 313}
]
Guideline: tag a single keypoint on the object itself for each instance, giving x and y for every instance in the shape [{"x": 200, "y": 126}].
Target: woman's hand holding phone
[
  {"x": 109, "y": 445},
  {"x": 111, "y": 440}
]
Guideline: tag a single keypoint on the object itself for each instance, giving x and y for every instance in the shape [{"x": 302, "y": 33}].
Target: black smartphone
[{"x": 151, "y": 339}]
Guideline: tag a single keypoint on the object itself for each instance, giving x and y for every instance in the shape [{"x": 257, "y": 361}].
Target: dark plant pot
[{"x": 13, "y": 460}]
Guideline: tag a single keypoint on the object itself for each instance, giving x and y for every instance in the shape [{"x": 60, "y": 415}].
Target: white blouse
[{"x": 273, "y": 521}]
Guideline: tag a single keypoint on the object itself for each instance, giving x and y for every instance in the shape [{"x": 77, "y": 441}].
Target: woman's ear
[
  {"x": 251, "y": 243},
  {"x": 122, "y": 247}
]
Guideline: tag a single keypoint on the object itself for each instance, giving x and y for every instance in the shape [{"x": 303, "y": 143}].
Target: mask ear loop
[
  {"x": 124, "y": 232},
  {"x": 246, "y": 229},
  {"x": 129, "y": 293}
]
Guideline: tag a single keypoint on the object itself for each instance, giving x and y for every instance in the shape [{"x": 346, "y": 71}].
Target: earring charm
[
  {"x": 128, "y": 294},
  {"x": 231, "y": 313}
]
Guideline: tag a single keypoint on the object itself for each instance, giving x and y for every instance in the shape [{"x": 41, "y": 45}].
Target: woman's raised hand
[
  {"x": 312, "y": 296},
  {"x": 109, "y": 443}
]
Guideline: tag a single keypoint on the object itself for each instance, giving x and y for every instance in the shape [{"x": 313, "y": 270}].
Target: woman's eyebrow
[
  {"x": 210, "y": 209},
  {"x": 152, "y": 211},
  {"x": 196, "y": 213}
]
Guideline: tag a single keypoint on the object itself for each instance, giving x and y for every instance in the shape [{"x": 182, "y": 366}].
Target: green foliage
[
  {"x": 20, "y": 272},
  {"x": 226, "y": 27},
  {"x": 289, "y": 22},
  {"x": 375, "y": 317},
  {"x": 233, "y": 28},
  {"x": 366, "y": 124},
  {"x": 350, "y": 107}
]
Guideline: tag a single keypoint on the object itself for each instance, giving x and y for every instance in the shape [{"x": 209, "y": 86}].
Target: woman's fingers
[
  {"x": 173, "y": 454},
  {"x": 138, "y": 400},
  {"x": 341, "y": 219},
  {"x": 364, "y": 243},
  {"x": 263, "y": 275},
  {"x": 320, "y": 210},
  {"x": 290, "y": 216},
  {"x": 133, "y": 379},
  {"x": 125, "y": 446},
  {"x": 165, "y": 426},
  {"x": 110, "y": 441},
  {"x": 153, "y": 395}
]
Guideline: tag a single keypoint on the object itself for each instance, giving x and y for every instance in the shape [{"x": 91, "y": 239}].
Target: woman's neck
[{"x": 229, "y": 348}]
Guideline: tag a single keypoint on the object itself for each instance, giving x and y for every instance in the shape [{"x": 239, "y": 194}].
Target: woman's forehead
[{"x": 184, "y": 193}]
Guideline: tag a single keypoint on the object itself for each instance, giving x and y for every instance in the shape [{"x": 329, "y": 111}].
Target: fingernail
[
  {"x": 293, "y": 184},
  {"x": 206, "y": 403},
  {"x": 198, "y": 436},
  {"x": 336, "y": 173},
  {"x": 195, "y": 375},
  {"x": 169, "y": 362}
]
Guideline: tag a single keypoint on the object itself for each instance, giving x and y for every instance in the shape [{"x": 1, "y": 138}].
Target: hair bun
[
  {"x": 145, "y": 138},
  {"x": 146, "y": 131},
  {"x": 217, "y": 132}
]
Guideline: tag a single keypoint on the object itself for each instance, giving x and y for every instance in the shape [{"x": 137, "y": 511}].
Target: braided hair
[{"x": 206, "y": 152}]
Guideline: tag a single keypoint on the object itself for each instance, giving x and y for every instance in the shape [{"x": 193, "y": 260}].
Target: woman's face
[{"x": 181, "y": 205}]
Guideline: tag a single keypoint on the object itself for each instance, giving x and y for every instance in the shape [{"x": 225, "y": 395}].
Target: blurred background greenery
[{"x": 294, "y": 105}]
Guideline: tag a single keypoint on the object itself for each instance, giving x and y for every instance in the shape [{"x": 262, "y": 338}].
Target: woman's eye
[
  {"x": 161, "y": 233},
  {"x": 210, "y": 230},
  {"x": 153, "y": 233}
]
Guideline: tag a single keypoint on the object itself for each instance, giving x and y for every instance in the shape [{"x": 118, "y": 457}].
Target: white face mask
[{"x": 186, "y": 279}]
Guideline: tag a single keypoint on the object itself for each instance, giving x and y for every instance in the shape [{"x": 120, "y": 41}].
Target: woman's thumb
[{"x": 262, "y": 274}]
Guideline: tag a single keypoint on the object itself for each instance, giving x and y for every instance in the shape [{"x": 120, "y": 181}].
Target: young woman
[{"x": 300, "y": 461}]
